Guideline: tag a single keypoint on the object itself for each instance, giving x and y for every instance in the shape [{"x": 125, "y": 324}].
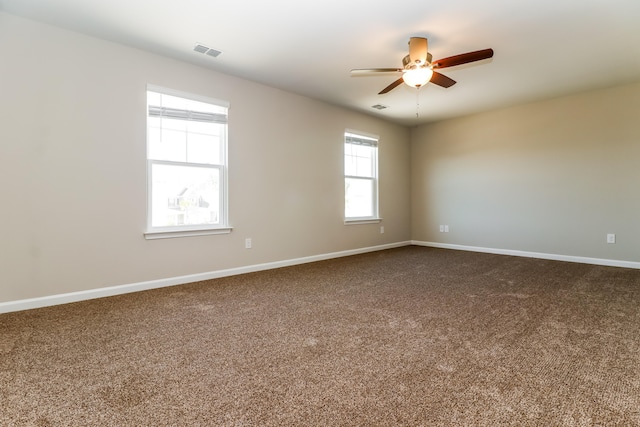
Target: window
[
  {"x": 186, "y": 164},
  {"x": 360, "y": 178}
]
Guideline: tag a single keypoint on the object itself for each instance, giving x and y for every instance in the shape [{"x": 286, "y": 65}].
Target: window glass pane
[
  {"x": 358, "y": 197},
  {"x": 203, "y": 149},
  {"x": 186, "y": 134},
  {"x": 205, "y": 107},
  {"x": 359, "y": 160},
  {"x": 184, "y": 195},
  {"x": 154, "y": 98},
  {"x": 167, "y": 145},
  {"x": 362, "y": 150},
  {"x": 350, "y": 165},
  {"x": 360, "y": 168},
  {"x": 174, "y": 102},
  {"x": 153, "y": 122},
  {"x": 174, "y": 124},
  {"x": 154, "y": 144},
  {"x": 205, "y": 127},
  {"x": 364, "y": 167}
]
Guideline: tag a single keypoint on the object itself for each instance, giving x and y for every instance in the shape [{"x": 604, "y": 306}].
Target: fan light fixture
[
  {"x": 418, "y": 66},
  {"x": 417, "y": 77}
]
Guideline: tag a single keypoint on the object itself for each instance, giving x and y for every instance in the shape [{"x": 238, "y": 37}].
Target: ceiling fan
[{"x": 419, "y": 68}]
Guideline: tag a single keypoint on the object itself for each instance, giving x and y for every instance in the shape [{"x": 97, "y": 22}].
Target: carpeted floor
[{"x": 411, "y": 336}]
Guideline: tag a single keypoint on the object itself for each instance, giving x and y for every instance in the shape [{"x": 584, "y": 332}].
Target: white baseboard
[
  {"x": 51, "y": 300},
  {"x": 554, "y": 257}
]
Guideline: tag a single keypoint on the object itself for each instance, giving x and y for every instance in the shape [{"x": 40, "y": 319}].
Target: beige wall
[
  {"x": 551, "y": 177},
  {"x": 73, "y": 170}
]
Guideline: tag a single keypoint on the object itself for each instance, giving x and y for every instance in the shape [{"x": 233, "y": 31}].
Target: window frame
[
  {"x": 355, "y": 135},
  {"x": 222, "y": 227}
]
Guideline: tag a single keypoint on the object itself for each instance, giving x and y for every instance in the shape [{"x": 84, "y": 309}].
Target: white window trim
[
  {"x": 367, "y": 220},
  {"x": 375, "y": 218},
  {"x": 170, "y": 234},
  {"x": 153, "y": 233},
  {"x": 189, "y": 95}
]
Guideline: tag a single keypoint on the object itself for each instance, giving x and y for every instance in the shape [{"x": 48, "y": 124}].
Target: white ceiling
[{"x": 543, "y": 48}]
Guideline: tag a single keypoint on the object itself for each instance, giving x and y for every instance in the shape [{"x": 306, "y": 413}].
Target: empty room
[{"x": 319, "y": 214}]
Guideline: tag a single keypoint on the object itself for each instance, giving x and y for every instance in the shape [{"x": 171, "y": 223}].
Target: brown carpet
[{"x": 405, "y": 337}]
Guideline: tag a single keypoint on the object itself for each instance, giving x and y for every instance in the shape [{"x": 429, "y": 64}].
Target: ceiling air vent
[
  {"x": 379, "y": 106},
  {"x": 206, "y": 50},
  {"x": 200, "y": 48},
  {"x": 213, "y": 52}
]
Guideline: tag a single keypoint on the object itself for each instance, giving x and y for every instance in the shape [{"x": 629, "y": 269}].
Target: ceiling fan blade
[
  {"x": 441, "y": 80},
  {"x": 391, "y": 86},
  {"x": 359, "y": 71},
  {"x": 464, "y": 58},
  {"x": 418, "y": 50}
]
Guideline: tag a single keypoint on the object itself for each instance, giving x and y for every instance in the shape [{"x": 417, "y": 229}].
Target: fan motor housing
[{"x": 408, "y": 65}]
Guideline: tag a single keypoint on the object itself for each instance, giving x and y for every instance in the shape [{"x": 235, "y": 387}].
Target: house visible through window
[
  {"x": 187, "y": 164},
  {"x": 360, "y": 177}
]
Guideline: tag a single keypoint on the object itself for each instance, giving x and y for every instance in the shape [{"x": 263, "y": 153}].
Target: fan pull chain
[{"x": 417, "y": 102}]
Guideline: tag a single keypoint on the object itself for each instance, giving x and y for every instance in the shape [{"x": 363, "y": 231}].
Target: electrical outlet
[
  {"x": 611, "y": 238},
  {"x": 442, "y": 228},
  {"x": 446, "y": 228},
  {"x": 247, "y": 243},
  {"x": 382, "y": 229}
]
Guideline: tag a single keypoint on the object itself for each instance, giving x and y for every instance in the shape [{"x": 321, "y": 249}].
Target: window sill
[
  {"x": 170, "y": 234},
  {"x": 355, "y": 221}
]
